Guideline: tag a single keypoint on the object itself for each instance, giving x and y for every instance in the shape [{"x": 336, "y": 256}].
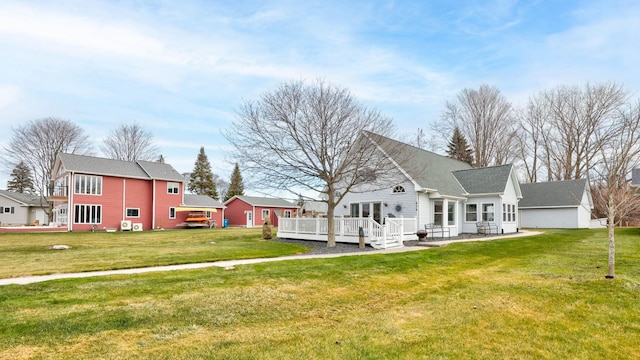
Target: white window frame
[
  {"x": 474, "y": 213},
  {"x": 83, "y": 211},
  {"x": 173, "y": 188},
  {"x": 486, "y": 212},
  {"x": 267, "y": 212},
  {"x": 287, "y": 214},
  {"x": 451, "y": 213},
  {"x": 441, "y": 213},
  {"x": 132, "y": 216},
  {"x": 87, "y": 185},
  {"x": 398, "y": 189},
  {"x": 172, "y": 213}
]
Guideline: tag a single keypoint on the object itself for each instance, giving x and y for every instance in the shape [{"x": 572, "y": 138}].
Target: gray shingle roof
[
  {"x": 552, "y": 194},
  {"x": 27, "y": 199},
  {"x": 429, "y": 170},
  {"x": 120, "y": 168},
  {"x": 487, "y": 180},
  {"x": 201, "y": 201},
  {"x": 263, "y": 201}
]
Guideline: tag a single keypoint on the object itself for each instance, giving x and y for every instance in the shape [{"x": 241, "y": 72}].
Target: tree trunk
[
  {"x": 331, "y": 229},
  {"x": 612, "y": 242}
]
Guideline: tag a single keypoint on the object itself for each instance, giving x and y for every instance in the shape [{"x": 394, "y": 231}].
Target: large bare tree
[
  {"x": 130, "y": 142},
  {"x": 486, "y": 120},
  {"x": 38, "y": 142},
  {"x": 310, "y": 137},
  {"x": 619, "y": 153}
]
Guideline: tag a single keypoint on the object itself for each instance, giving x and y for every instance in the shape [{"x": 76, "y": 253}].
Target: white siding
[
  {"x": 20, "y": 214},
  {"x": 405, "y": 201},
  {"x": 558, "y": 218}
]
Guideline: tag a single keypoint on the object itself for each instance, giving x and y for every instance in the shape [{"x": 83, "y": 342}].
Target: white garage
[{"x": 556, "y": 204}]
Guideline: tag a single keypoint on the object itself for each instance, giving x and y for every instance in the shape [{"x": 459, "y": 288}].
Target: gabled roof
[
  {"x": 24, "y": 199},
  {"x": 426, "y": 169},
  {"x": 486, "y": 180},
  {"x": 201, "y": 201},
  {"x": 263, "y": 201},
  {"x": 110, "y": 167},
  {"x": 566, "y": 193}
]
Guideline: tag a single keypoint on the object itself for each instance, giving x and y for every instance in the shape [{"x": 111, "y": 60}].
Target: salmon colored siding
[
  {"x": 235, "y": 212},
  {"x": 164, "y": 201}
]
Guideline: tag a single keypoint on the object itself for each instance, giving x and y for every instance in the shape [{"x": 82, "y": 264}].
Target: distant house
[
  {"x": 18, "y": 209},
  {"x": 556, "y": 204},
  {"x": 313, "y": 208},
  {"x": 92, "y": 193},
  {"x": 635, "y": 177},
  {"x": 253, "y": 211},
  {"x": 200, "y": 207}
]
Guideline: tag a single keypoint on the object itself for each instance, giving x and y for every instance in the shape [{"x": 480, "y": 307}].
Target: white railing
[{"x": 394, "y": 230}]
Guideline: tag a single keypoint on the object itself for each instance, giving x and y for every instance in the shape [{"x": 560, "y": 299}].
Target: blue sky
[{"x": 181, "y": 68}]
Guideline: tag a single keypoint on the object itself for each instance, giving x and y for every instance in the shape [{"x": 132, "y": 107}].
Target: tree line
[{"x": 33, "y": 147}]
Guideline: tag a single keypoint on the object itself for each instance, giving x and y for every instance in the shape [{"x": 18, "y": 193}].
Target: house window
[
  {"x": 207, "y": 214},
  {"x": 472, "y": 212},
  {"x": 287, "y": 214},
  {"x": 265, "y": 214},
  {"x": 398, "y": 189},
  {"x": 88, "y": 185},
  {"x": 172, "y": 213},
  {"x": 355, "y": 210},
  {"x": 133, "y": 212},
  {"x": 88, "y": 214},
  {"x": 7, "y": 210},
  {"x": 438, "y": 212},
  {"x": 451, "y": 213},
  {"x": 487, "y": 212},
  {"x": 173, "y": 188},
  {"x": 513, "y": 212}
]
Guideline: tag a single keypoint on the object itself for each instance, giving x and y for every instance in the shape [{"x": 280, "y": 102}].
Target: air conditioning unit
[
  {"x": 137, "y": 227},
  {"x": 125, "y": 225}
]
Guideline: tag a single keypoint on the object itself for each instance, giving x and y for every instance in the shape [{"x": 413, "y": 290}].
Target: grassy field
[
  {"x": 30, "y": 254},
  {"x": 539, "y": 297}
]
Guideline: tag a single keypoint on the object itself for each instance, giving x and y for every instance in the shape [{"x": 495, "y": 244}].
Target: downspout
[
  {"x": 124, "y": 197},
  {"x": 153, "y": 205},
  {"x": 70, "y": 214}
]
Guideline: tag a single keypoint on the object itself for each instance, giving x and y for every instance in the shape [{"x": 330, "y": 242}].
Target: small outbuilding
[{"x": 556, "y": 204}]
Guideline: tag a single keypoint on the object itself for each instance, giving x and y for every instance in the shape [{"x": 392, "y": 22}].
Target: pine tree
[
  {"x": 201, "y": 181},
  {"x": 21, "y": 179},
  {"x": 236, "y": 187},
  {"x": 458, "y": 148}
]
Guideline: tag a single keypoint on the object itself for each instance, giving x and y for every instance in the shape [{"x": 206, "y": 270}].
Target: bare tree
[
  {"x": 575, "y": 121},
  {"x": 530, "y": 135},
  {"x": 311, "y": 137},
  {"x": 486, "y": 119},
  {"x": 38, "y": 142},
  {"x": 130, "y": 142},
  {"x": 619, "y": 152}
]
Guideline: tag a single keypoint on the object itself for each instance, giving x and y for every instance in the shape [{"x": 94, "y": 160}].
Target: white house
[
  {"x": 556, "y": 204},
  {"x": 422, "y": 190},
  {"x": 21, "y": 209}
]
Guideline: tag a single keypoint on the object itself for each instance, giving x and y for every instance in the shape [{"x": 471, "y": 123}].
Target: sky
[{"x": 181, "y": 69}]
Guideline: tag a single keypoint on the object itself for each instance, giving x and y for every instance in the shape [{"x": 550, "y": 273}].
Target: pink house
[
  {"x": 253, "y": 211},
  {"x": 92, "y": 193}
]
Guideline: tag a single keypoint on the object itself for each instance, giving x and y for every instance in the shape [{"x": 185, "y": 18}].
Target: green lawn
[
  {"x": 539, "y": 297},
  {"x": 30, "y": 254}
]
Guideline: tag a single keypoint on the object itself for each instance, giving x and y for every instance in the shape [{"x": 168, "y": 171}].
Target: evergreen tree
[
  {"x": 201, "y": 181},
  {"x": 21, "y": 179},
  {"x": 236, "y": 187},
  {"x": 458, "y": 148}
]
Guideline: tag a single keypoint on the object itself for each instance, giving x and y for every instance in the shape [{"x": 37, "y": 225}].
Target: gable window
[
  {"x": 398, "y": 189},
  {"x": 173, "y": 188},
  {"x": 131, "y": 212},
  {"x": 438, "y": 212},
  {"x": 471, "y": 212},
  {"x": 487, "y": 212},
  {"x": 172, "y": 213},
  {"x": 87, "y": 214},
  {"x": 88, "y": 185},
  {"x": 265, "y": 214}
]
